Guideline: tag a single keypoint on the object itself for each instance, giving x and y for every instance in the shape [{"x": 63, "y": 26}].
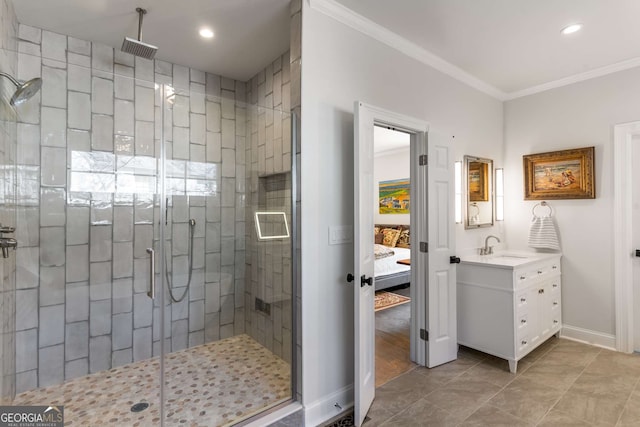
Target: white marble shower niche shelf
[{"x": 509, "y": 304}]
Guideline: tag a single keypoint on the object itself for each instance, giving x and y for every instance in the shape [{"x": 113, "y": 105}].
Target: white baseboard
[
  {"x": 325, "y": 408},
  {"x": 275, "y": 415},
  {"x": 587, "y": 336}
]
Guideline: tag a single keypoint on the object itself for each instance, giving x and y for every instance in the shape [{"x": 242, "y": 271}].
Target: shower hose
[{"x": 192, "y": 225}]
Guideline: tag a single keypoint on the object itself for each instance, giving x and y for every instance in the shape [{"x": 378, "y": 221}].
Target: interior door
[
  {"x": 441, "y": 327},
  {"x": 363, "y": 286},
  {"x": 635, "y": 239},
  {"x": 433, "y": 279}
]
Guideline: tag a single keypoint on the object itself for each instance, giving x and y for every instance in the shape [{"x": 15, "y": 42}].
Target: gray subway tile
[
  {"x": 122, "y": 331},
  {"x": 77, "y": 302},
  {"x": 51, "y": 365},
  {"x": 78, "y": 263},
  {"x": 51, "y": 329},
  {"x": 122, "y": 295},
  {"x": 52, "y": 286},
  {"x": 99, "y": 354},
  {"x": 26, "y": 350},
  {"x": 52, "y": 247},
  {"x": 100, "y": 318},
  {"x": 76, "y": 340}
]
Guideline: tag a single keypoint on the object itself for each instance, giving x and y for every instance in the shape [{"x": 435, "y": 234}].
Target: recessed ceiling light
[
  {"x": 206, "y": 33},
  {"x": 570, "y": 29}
]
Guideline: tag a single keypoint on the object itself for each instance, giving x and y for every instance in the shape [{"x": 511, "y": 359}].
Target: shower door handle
[{"x": 152, "y": 273}]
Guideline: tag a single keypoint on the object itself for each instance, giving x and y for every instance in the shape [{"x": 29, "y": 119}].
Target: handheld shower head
[
  {"x": 24, "y": 90},
  {"x": 138, "y": 47}
]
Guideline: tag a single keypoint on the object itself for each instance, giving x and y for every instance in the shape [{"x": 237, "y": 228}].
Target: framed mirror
[{"x": 478, "y": 185}]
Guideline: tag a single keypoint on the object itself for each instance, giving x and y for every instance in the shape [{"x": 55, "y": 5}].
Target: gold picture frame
[{"x": 566, "y": 174}]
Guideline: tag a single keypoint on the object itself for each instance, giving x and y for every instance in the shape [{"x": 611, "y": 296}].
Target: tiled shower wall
[
  {"x": 8, "y": 64},
  {"x": 87, "y": 210},
  {"x": 269, "y": 153}
]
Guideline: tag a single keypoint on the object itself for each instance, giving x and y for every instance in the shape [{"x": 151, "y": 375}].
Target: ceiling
[
  {"x": 387, "y": 140},
  {"x": 514, "y": 45},
  {"x": 249, "y": 34}
]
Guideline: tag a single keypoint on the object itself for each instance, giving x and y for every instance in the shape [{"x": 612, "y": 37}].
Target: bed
[{"x": 387, "y": 272}]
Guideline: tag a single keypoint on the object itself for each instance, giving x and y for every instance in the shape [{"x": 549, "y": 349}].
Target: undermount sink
[
  {"x": 503, "y": 259},
  {"x": 508, "y": 256}
]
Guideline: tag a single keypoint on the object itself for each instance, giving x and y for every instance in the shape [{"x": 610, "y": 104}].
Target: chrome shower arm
[{"x": 10, "y": 77}]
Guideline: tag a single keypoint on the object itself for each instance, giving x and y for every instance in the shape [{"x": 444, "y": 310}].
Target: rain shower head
[
  {"x": 24, "y": 90},
  {"x": 138, "y": 47}
]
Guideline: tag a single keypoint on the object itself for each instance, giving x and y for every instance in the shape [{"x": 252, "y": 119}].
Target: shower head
[
  {"x": 24, "y": 90},
  {"x": 138, "y": 47}
]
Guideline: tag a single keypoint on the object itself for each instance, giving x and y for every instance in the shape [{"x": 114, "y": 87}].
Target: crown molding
[
  {"x": 587, "y": 75},
  {"x": 359, "y": 23},
  {"x": 342, "y": 14}
]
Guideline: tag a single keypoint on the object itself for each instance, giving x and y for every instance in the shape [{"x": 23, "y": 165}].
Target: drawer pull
[
  {"x": 539, "y": 271},
  {"x": 541, "y": 291},
  {"x": 523, "y": 321},
  {"x": 555, "y": 322},
  {"x": 555, "y": 267},
  {"x": 522, "y": 277},
  {"x": 523, "y": 300},
  {"x": 524, "y": 342},
  {"x": 555, "y": 285},
  {"x": 555, "y": 303}
]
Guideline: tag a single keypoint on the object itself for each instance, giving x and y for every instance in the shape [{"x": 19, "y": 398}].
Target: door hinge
[
  {"x": 424, "y": 334},
  {"x": 424, "y": 247},
  {"x": 423, "y": 159}
]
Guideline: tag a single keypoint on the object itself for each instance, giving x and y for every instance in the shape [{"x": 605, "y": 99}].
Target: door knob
[
  {"x": 366, "y": 280},
  {"x": 454, "y": 259},
  {"x": 350, "y": 277}
]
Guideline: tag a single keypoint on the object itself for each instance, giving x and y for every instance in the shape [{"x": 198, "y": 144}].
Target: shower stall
[{"x": 152, "y": 279}]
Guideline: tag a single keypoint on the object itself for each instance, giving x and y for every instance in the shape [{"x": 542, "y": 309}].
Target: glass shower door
[{"x": 228, "y": 287}]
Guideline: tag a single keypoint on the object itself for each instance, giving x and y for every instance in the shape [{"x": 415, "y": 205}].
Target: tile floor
[
  {"x": 562, "y": 383},
  {"x": 208, "y": 385}
]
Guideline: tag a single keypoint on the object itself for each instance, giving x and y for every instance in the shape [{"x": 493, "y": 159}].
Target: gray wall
[
  {"x": 8, "y": 64},
  {"x": 340, "y": 67},
  {"x": 574, "y": 116}
]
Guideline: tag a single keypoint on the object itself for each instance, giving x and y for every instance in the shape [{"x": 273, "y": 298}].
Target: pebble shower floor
[{"x": 208, "y": 385}]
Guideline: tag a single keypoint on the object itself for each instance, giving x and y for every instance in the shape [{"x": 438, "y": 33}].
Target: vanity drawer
[
  {"x": 523, "y": 344},
  {"x": 522, "y": 326},
  {"x": 522, "y": 302},
  {"x": 547, "y": 269},
  {"x": 554, "y": 286}
]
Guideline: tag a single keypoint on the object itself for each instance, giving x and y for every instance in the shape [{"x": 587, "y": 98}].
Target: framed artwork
[
  {"x": 394, "y": 196},
  {"x": 567, "y": 174},
  {"x": 478, "y": 182}
]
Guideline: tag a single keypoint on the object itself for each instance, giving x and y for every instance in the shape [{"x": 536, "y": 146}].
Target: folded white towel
[{"x": 542, "y": 234}]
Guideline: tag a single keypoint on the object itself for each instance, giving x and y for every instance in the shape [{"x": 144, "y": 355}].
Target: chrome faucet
[
  {"x": 7, "y": 242},
  {"x": 488, "y": 250}
]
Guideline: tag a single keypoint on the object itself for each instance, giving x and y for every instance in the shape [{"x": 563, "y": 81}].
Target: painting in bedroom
[{"x": 394, "y": 196}]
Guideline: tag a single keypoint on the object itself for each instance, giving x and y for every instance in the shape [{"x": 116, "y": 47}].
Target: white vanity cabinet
[{"x": 508, "y": 304}]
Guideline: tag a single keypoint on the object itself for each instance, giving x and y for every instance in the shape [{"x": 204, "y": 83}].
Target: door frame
[
  {"x": 623, "y": 135},
  {"x": 364, "y": 348},
  {"x": 418, "y": 131}
]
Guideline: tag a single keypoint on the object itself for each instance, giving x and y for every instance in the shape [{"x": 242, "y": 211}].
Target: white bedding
[{"x": 389, "y": 265}]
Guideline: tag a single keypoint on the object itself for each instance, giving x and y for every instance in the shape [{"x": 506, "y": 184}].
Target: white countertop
[{"x": 507, "y": 259}]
